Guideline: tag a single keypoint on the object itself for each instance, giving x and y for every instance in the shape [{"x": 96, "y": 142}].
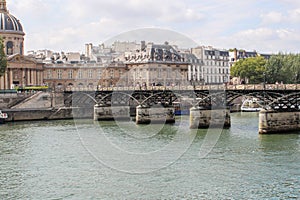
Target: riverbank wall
[{"x": 48, "y": 114}]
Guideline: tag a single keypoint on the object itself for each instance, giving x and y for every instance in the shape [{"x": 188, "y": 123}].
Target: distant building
[
  {"x": 195, "y": 76},
  {"x": 21, "y": 70},
  {"x": 64, "y": 75},
  {"x": 215, "y": 64},
  {"x": 114, "y": 74},
  {"x": 156, "y": 64},
  {"x": 236, "y": 55}
]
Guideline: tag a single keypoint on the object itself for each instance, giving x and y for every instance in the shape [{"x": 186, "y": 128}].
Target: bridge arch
[{"x": 104, "y": 100}]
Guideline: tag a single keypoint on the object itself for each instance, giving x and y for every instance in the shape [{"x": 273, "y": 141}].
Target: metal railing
[{"x": 200, "y": 87}]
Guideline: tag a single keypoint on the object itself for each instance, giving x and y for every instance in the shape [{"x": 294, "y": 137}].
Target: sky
[{"x": 267, "y": 26}]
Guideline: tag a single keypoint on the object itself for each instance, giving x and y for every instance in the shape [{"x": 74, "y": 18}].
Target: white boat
[
  {"x": 3, "y": 116},
  {"x": 251, "y": 105}
]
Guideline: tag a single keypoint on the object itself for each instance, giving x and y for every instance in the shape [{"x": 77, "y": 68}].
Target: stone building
[
  {"x": 21, "y": 70},
  {"x": 114, "y": 74},
  {"x": 195, "y": 76},
  {"x": 156, "y": 64},
  {"x": 64, "y": 75},
  {"x": 215, "y": 64}
]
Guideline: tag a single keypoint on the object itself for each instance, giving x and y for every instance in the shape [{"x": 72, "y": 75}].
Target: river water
[{"x": 69, "y": 160}]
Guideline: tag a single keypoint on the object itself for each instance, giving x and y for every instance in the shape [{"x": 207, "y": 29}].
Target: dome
[{"x": 9, "y": 23}]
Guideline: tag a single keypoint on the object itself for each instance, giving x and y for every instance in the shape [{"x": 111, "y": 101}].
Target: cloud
[
  {"x": 67, "y": 25},
  {"x": 272, "y": 17}
]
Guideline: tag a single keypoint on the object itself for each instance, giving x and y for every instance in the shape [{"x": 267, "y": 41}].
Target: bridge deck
[{"x": 257, "y": 87}]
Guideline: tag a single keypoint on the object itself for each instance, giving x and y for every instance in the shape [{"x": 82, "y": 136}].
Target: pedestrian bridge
[
  {"x": 275, "y": 96},
  {"x": 281, "y": 103}
]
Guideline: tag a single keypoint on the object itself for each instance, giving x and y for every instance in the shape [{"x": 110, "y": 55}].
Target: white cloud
[
  {"x": 69, "y": 24},
  {"x": 272, "y": 17},
  {"x": 294, "y": 15}
]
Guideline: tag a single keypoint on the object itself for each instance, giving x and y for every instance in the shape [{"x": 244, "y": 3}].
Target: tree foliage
[
  {"x": 283, "y": 68},
  {"x": 279, "y": 68},
  {"x": 3, "y": 59},
  {"x": 251, "y": 69}
]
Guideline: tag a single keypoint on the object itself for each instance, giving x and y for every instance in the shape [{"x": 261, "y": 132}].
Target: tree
[
  {"x": 3, "y": 59},
  {"x": 252, "y": 69},
  {"x": 275, "y": 69},
  {"x": 283, "y": 67}
]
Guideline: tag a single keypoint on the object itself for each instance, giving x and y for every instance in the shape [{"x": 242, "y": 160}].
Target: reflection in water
[{"x": 46, "y": 160}]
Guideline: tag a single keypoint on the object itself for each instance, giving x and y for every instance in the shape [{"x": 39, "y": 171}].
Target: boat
[
  {"x": 181, "y": 109},
  {"x": 3, "y": 116},
  {"x": 251, "y": 105}
]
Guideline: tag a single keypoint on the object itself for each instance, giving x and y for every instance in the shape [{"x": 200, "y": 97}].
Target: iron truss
[{"x": 280, "y": 100}]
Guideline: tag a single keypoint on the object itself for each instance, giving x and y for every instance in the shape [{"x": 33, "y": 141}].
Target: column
[
  {"x": 23, "y": 77},
  {"x": 28, "y": 82},
  {"x": 5, "y": 81},
  {"x": 34, "y": 77},
  {"x": 189, "y": 72},
  {"x": 1, "y": 82},
  {"x": 198, "y": 74},
  {"x": 10, "y": 78}
]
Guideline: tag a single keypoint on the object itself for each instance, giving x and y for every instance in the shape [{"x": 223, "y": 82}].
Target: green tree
[
  {"x": 275, "y": 69},
  {"x": 3, "y": 60},
  {"x": 283, "y": 67},
  {"x": 252, "y": 69}
]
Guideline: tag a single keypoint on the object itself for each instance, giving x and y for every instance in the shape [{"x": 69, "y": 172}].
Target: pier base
[
  {"x": 111, "y": 113},
  {"x": 271, "y": 121},
  {"x": 147, "y": 115},
  {"x": 204, "y": 118}
]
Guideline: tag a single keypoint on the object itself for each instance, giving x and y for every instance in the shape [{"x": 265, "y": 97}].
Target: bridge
[{"x": 277, "y": 98}]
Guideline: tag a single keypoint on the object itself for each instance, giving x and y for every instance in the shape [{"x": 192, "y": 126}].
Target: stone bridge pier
[
  {"x": 155, "y": 114},
  {"x": 104, "y": 112},
  {"x": 201, "y": 117},
  {"x": 272, "y": 121}
]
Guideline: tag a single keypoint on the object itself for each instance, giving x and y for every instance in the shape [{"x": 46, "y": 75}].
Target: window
[
  {"x": 80, "y": 74},
  {"x": 9, "y": 48},
  {"x": 49, "y": 74},
  {"x": 112, "y": 73},
  {"x": 70, "y": 74},
  {"x": 99, "y": 72},
  {"x": 159, "y": 73},
  {"x": 169, "y": 72},
  {"x": 90, "y": 73},
  {"x": 59, "y": 74}
]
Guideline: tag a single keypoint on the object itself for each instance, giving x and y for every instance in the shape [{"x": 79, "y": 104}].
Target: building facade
[
  {"x": 66, "y": 75},
  {"x": 215, "y": 64},
  {"x": 156, "y": 64}
]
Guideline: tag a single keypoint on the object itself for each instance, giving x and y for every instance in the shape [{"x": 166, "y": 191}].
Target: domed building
[
  {"x": 11, "y": 31},
  {"x": 21, "y": 70}
]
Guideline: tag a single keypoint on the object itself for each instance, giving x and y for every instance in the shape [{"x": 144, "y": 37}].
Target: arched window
[{"x": 9, "y": 48}]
